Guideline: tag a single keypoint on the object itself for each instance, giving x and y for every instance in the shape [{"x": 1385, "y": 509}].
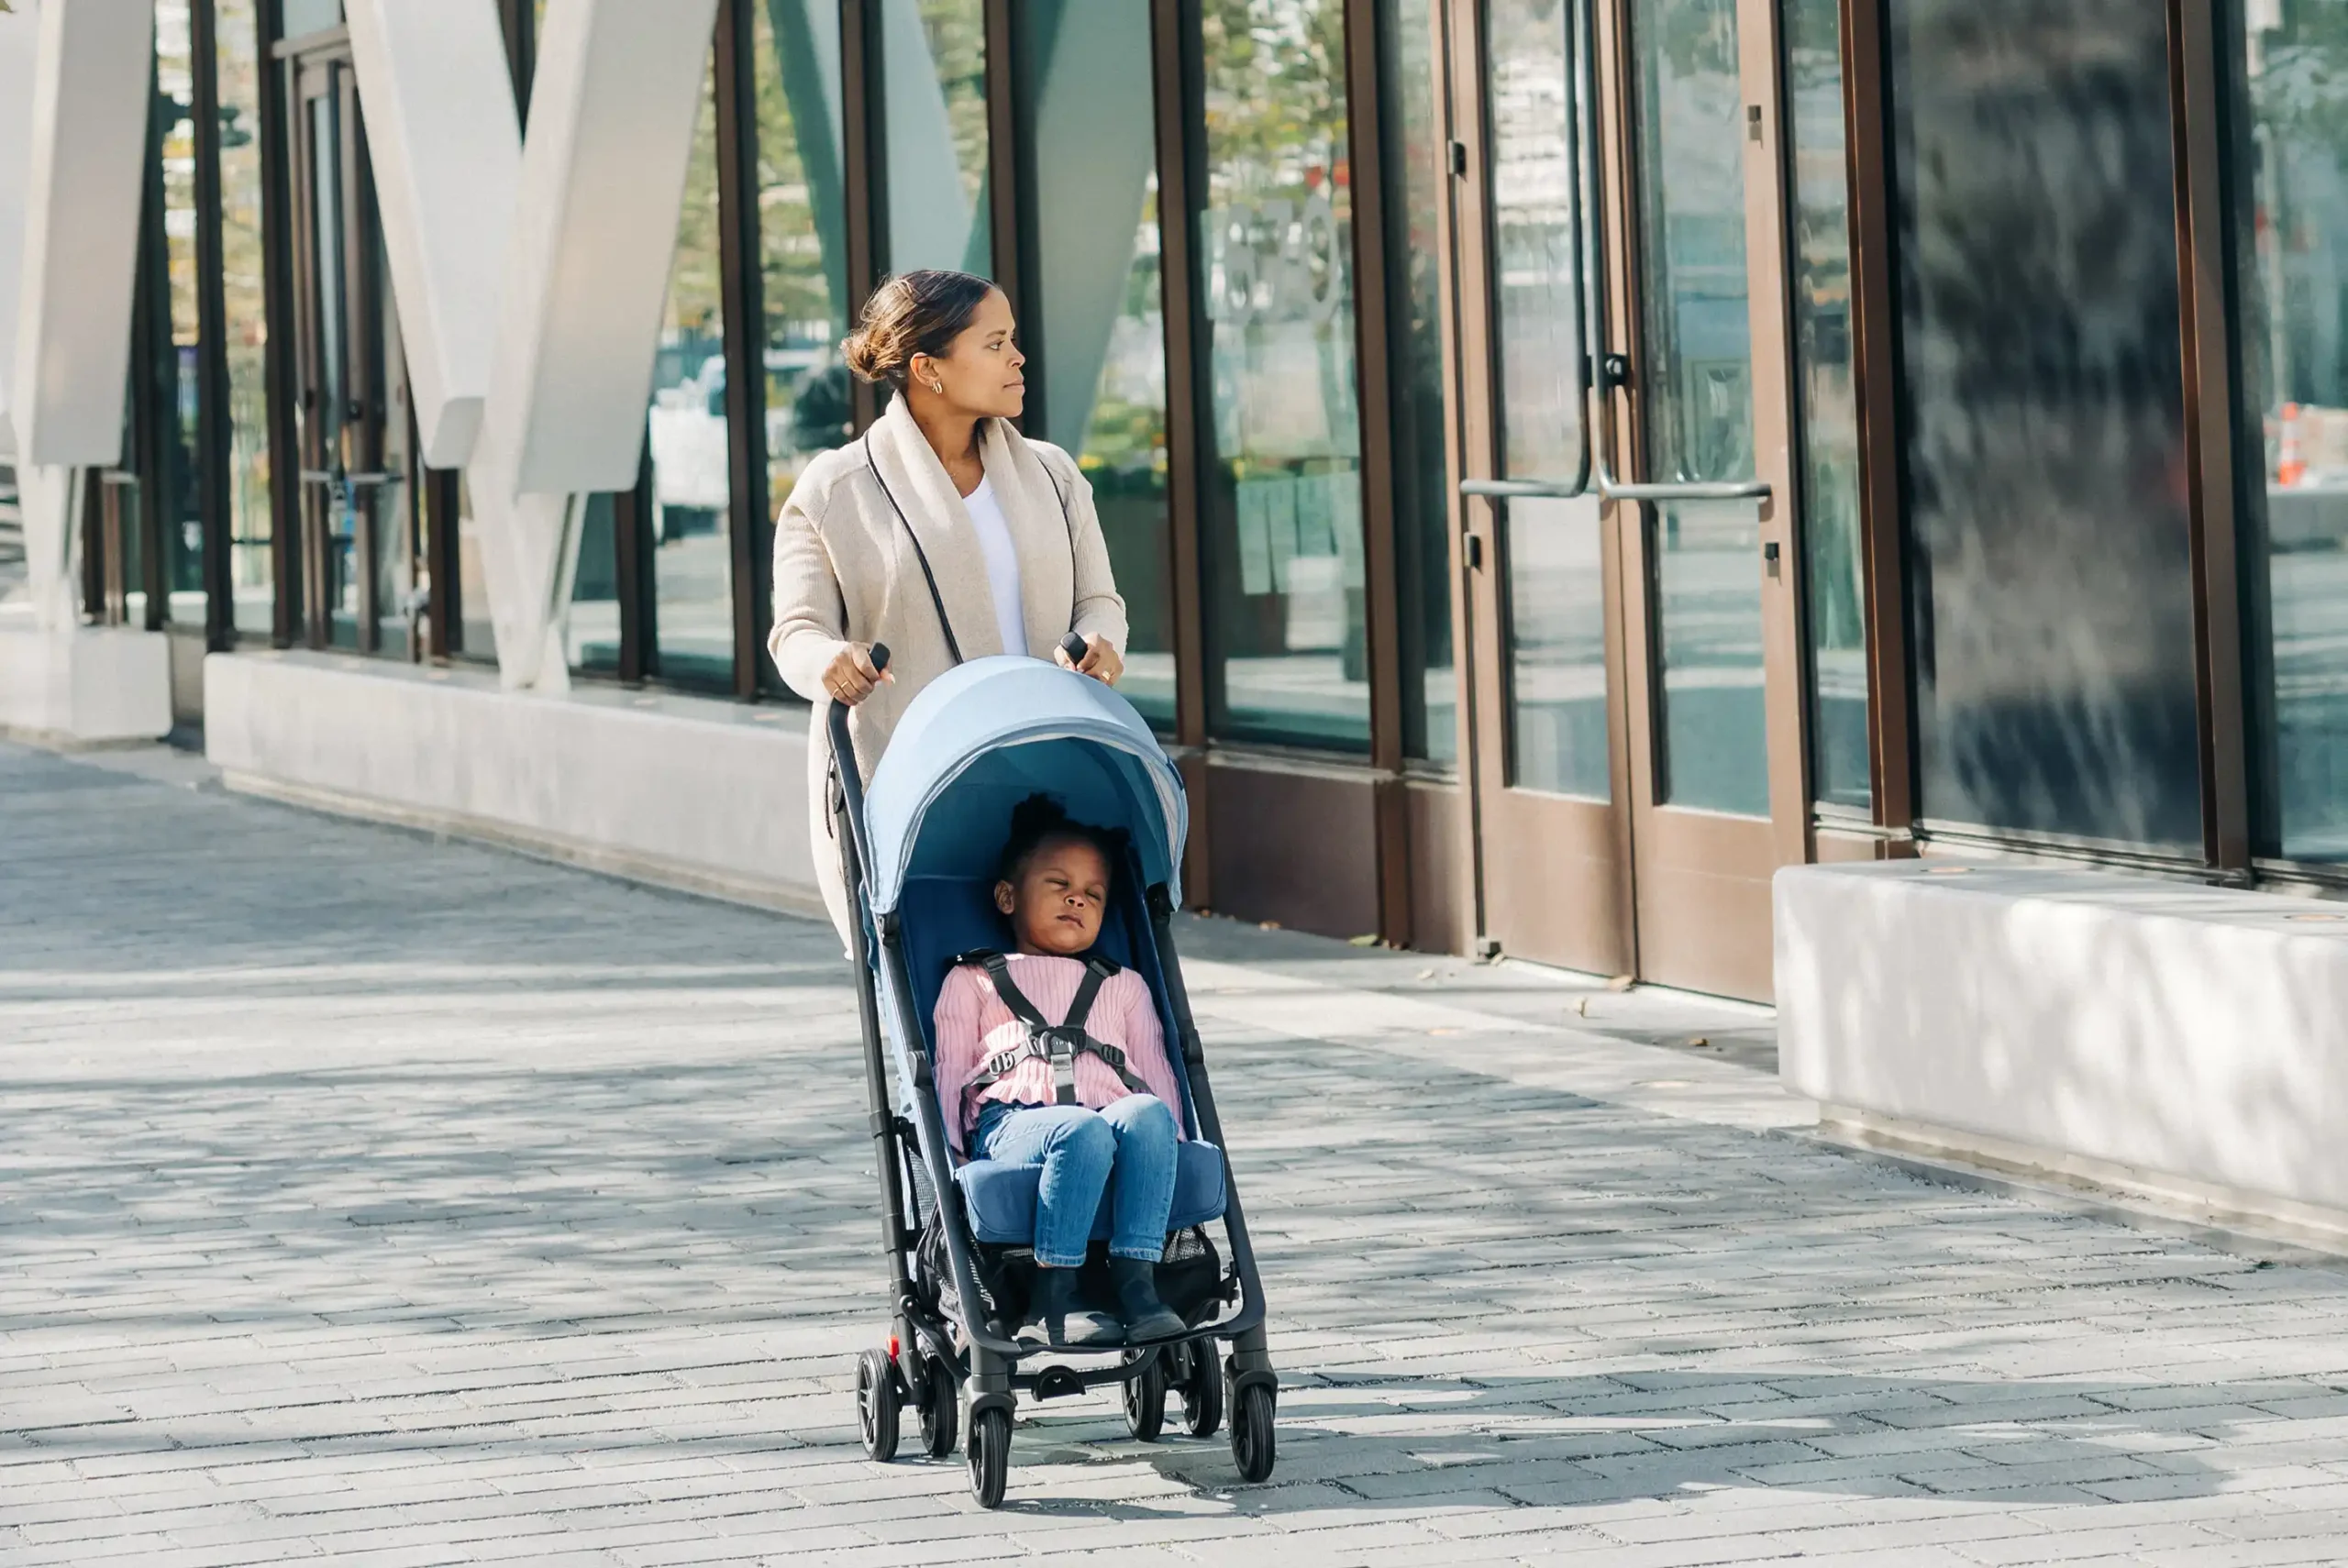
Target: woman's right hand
[{"x": 851, "y": 677}]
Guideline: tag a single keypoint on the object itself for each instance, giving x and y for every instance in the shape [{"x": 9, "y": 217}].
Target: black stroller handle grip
[
  {"x": 1075, "y": 646},
  {"x": 879, "y": 654}
]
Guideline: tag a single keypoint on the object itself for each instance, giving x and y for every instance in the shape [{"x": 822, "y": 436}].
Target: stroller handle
[
  {"x": 1075, "y": 646},
  {"x": 844, "y": 760}
]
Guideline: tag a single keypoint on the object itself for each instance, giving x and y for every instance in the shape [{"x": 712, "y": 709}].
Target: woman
[{"x": 943, "y": 532}]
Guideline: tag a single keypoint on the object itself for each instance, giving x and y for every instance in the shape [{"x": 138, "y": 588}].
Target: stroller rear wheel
[
  {"x": 941, "y": 1410},
  {"x": 876, "y": 1404},
  {"x": 990, "y": 1456},
  {"x": 1251, "y": 1431},
  {"x": 1201, "y": 1386},
  {"x": 1145, "y": 1399}
]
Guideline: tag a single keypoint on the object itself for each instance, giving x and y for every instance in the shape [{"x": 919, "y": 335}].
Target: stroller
[{"x": 918, "y": 853}]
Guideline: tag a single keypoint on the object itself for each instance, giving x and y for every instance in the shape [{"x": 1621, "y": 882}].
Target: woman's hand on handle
[
  {"x": 855, "y": 672},
  {"x": 1099, "y": 657}
]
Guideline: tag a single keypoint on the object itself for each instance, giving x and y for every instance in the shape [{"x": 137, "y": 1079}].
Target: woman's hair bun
[{"x": 912, "y": 312}]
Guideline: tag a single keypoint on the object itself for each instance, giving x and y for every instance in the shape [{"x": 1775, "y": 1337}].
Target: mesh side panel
[
  {"x": 924, "y": 1196},
  {"x": 1183, "y": 1246}
]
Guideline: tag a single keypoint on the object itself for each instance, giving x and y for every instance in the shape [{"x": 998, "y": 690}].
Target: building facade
[{"x": 1564, "y": 458}]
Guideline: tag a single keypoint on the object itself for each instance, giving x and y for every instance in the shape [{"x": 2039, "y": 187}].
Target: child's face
[{"x": 1056, "y": 904}]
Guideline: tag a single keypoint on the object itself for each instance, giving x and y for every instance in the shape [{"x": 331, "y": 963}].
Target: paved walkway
[{"x": 386, "y": 1201}]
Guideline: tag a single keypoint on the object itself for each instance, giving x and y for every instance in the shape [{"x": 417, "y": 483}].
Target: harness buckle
[{"x": 1062, "y": 1052}]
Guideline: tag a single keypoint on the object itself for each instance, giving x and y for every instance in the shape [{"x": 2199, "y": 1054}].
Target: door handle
[
  {"x": 327, "y": 476},
  {"x": 1605, "y": 487},
  {"x": 1693, "y": 489},
  {"x": 1524, "y": 489}
]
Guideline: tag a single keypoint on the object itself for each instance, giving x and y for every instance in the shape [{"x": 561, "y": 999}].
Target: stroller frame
[{"x": 985, "y": 1374}]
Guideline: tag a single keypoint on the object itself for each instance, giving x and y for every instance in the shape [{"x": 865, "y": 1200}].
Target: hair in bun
[{"x": 912, "y": 312}]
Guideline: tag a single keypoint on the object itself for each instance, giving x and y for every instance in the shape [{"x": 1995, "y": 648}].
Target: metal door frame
[
  {"x": 1668, "y": 893},
  {"x": 322, "y": 71}
]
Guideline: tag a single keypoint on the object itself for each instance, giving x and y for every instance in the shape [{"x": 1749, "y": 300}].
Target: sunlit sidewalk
[{"x": 382, "y": 1200}]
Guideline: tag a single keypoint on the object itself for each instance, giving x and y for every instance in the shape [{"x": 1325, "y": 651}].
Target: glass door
[
  {"x": 356, "y": 544},
  {"x": 1624, "y": 350}
]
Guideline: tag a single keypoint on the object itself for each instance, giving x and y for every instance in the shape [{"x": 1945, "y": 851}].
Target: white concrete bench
[
  {"x": 2168, "y": 1040},
  {"x": 690, "y": 791}
]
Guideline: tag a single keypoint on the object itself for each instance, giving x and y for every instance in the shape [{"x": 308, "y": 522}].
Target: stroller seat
[
  {"x": 946, "y": 915},
  {"x": 1000, "y": 1198}
]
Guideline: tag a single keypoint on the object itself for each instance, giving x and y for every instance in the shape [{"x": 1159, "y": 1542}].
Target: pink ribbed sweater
[{"x": 973, "y": 1024}]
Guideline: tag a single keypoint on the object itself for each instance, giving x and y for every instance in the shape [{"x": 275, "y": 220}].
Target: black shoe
[
  {"x": 1054, "y": 1322},
  {"x": 1146, "y": 1317}
]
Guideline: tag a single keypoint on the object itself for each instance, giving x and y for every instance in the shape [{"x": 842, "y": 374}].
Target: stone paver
[{"x": 372, "y": 1198}]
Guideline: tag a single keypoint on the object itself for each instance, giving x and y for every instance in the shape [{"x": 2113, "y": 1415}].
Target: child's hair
[{"x": 1037, "y": 821}]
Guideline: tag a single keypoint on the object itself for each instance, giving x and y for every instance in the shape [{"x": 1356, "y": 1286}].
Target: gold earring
[{"x": 938, "y": 387}]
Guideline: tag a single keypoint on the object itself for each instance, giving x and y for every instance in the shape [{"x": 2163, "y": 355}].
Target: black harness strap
[{"x": 1058, "y": 1043}]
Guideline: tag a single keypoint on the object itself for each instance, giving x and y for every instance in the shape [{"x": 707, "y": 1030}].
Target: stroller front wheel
[
  {"x": 990, "y": 1456},
  {"x": 1251, "y": 1431},
  {"x": 941, "y": 1411},
  {"x": 1145, "y": 1399},
  {"x": 876, "y": 1404},
  {"x": 1201, "y": 1386}
]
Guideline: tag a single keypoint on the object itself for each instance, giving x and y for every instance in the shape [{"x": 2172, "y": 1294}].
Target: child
[{"x": 1087, "y": 1105}]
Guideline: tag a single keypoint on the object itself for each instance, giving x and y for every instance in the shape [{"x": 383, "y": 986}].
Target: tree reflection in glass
[
  {"x": 2040, "y": 363},
  {"x": 2290, "y": 65},
  {"x": 1283, "y": 504},
  {"x": 1829, "y": 425}
]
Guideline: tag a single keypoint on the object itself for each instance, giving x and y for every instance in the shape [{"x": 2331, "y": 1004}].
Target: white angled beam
[
  {"x": 611, "y": 109},
  {"x": 447, "y": 149},
  {"x": 19, "y": 38},
  {"x": 81, "y": 239}
]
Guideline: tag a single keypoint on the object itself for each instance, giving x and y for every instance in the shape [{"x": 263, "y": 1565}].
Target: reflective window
[
  {"x": 395, "y": 533},
  {"x": 1829, "y": 425},
  {"x": 298, "y": 17},
  {"x": 1282, "y": 518},
  {"x": 1098, "y": 376},
  {"x": 477, "y": 628},
  {"x": 1417, "y": 183},
  {"x": 2290, "y": 68},
  {"x": 803, "y": 246},
  {"x": 595, "y": 627},
  {"x": 935, "y": 138},
  {"x": 2040, "y": 365},
  {"x": 12, "y": 547},
  {"x": 176, "y": 368},
  {"x": 692, "y": 500},
  {"x": 1699, "y": 367},
  {"x": 250, "y": 564},
  {"x": 1550, "y": 550}
]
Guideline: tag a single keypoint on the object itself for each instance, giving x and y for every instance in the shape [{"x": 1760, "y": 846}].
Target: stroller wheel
[
  {"x": 1251, "y": 1431},
  {"x": 1145, "y": 1399},
  {"x": 876, "y": 1404},
  {"x": 989, "y": 1455},
  {"x": 1201, "y": 1385},
  {"x": 941, "y": 1411}
]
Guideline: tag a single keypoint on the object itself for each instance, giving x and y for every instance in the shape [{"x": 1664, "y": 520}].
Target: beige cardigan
[{"x": 846, "y": 571}]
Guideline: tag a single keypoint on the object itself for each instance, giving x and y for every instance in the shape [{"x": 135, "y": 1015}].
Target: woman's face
[{"x": 981, "y": 373}]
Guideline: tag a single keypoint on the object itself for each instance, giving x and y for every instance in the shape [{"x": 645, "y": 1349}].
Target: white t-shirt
[{"x": 1003, "y": 565}]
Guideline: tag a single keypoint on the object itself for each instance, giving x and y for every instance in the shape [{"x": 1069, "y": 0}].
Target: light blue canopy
[{"x": 988, "y": 734}]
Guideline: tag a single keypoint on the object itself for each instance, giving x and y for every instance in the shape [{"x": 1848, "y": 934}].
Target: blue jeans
[{"x": 1080, "y": 1150}]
